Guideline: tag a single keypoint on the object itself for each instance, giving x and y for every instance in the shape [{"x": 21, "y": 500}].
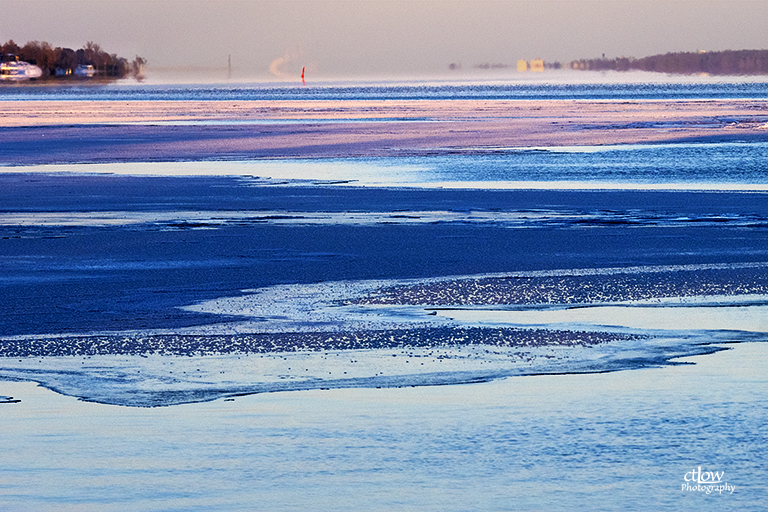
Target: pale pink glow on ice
[{"x": 119, "y": 131}]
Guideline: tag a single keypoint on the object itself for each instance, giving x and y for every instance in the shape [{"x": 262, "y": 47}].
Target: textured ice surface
[
  {"x": 438, "y": 331},
  {"x": 156, "y": 380}
]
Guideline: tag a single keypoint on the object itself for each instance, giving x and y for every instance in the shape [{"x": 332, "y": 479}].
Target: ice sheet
[{"x": 345, "y": 334}]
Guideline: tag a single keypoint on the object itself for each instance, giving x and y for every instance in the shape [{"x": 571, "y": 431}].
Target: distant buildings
[
  {"x": 728, "y": 62},
  {"x": 14, "y": 69},
  {"x": 522, "y": 66},
  {"x": 41, "y": 60},
  {"x": 85, "y": 70},
  {"x": 537, "y": 65}
]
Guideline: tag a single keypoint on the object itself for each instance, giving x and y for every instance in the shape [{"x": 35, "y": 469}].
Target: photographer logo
[{"x": 706, "y": 481}]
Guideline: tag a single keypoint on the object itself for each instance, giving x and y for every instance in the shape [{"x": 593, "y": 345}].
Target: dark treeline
[
  {"x": 62, "y": 62},
  {"x": 740, "y": 62}
]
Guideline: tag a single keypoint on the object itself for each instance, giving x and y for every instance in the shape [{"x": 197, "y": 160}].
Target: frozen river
[{"x": 478, "y": 327}]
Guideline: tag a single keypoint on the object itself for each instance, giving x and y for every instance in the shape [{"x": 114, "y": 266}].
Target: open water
[
  {"x": 364, "y": 283},
  {"x": 567, "y": 85}
]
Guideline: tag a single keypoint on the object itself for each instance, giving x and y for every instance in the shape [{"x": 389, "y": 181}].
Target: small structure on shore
[
  {"x": 11, "y": 68},
  {"x": 85, "y": 70},
  {"x": 536, "y": 65},
  {"x": 43, "y": 61}
]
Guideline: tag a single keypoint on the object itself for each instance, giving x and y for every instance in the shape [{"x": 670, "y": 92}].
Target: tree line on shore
[
  {"x": 57, "y": 62},
  {"x": 730, "y": 62}
]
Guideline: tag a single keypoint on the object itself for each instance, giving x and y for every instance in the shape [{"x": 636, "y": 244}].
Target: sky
[{"x": 383, "y": 38}]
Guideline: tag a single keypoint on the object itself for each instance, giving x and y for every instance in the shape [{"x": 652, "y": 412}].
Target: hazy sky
[{"x": 383, "y": 38}]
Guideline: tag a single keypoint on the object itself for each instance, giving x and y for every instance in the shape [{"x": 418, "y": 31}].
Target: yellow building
[
  {"x": 536, "y": 65},
  {"x": 522, "y": 65}
]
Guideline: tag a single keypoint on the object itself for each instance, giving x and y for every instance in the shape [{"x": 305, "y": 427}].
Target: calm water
[{"x": 618, "y": 441}]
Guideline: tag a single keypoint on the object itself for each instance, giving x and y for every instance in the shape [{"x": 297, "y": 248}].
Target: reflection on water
[{"x": 692, "y": 166}]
